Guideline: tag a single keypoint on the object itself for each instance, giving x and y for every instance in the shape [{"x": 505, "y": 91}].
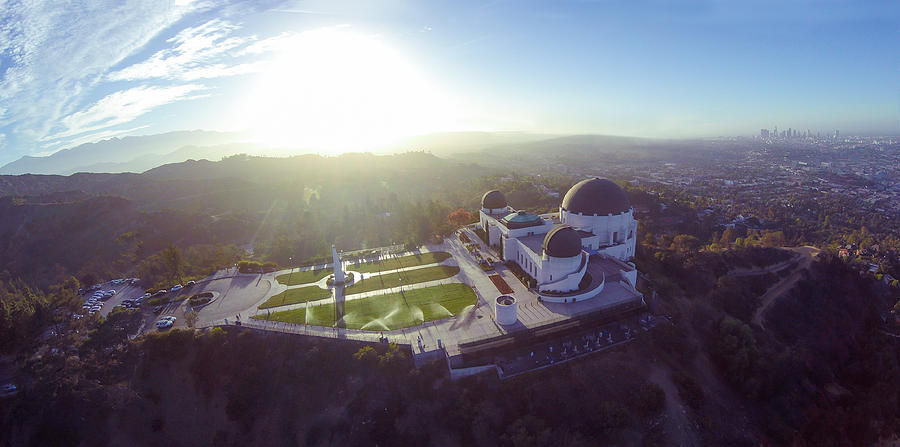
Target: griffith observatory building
[{"x": 572, "y": 255}]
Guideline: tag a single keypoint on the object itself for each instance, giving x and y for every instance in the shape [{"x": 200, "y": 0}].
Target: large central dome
[{"x": 596, "y": 197}]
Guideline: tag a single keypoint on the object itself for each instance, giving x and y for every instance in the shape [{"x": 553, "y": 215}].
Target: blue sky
[{"x": 350, "y": 75}]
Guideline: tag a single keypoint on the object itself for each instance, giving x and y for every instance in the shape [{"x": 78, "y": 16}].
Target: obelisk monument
[{"x": 338, "y": 269}]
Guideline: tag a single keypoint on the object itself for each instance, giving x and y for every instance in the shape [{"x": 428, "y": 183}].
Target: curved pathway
[{"x": 807, "y": 254}]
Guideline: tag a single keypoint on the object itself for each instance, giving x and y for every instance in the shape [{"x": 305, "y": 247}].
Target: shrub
[
  {"x": 650, "y": 399},
  {"x": 688, "y": 389}
]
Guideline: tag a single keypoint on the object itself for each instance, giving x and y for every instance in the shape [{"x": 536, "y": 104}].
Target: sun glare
[{"x": 334, "y": 90}]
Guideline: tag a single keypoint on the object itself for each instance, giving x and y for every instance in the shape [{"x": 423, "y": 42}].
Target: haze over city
[{"x": 328, "y": 77}]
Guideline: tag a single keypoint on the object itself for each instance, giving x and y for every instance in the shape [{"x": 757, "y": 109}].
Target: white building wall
[
  {"x": 616, "y": 230},
  {"x": 528, "y": 231},
  {"x": 514, "y": 250},
  {"x": 563, "y": 274},
  {"x": 494, "y": 231}
]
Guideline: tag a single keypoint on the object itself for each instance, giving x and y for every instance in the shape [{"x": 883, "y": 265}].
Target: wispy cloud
[
  {"x": 53, "y": 55},
  {"x": 122, "y": 107},
  {"x": 196, "y": 53}
]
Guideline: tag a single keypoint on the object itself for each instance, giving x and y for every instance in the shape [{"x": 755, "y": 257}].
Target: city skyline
[{"x": 351, "y": 76}]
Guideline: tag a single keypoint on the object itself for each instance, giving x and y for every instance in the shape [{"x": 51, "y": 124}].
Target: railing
[{"x": 313, "y": 331}]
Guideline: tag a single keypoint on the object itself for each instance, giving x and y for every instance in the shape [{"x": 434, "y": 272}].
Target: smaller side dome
[
  {"x": 562, "y": 242},
  {"x": 493, "y": 199},
  {"x": 521, "y": 219}
]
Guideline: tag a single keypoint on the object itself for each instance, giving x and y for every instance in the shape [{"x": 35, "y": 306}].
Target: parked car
[
  {"x": 175, "y": 288},
  {"x": 190, "y": 283},
  {"x": 162, "y": 292},
  {"x": 147, "y": 295},
  {"x": 8, "y": 390},
  {"x": 169, "y": 318},
  {"x": 162, "y": 324}
]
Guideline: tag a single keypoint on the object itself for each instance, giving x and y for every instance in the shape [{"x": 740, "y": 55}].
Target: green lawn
[
  {"x": 294, "y": 296},
  {"x": 388, "y": 280},
  {"x": 401, "y": 262},
  {"x": 303, "y": 277},
  {"x": 310, "y": 276},
  {"x": 388, "y": 312}
]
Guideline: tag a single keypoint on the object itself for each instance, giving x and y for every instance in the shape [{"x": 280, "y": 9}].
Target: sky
[{"x": 332, "y": 76}]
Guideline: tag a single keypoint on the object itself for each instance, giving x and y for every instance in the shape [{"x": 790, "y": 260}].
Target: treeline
[
  {"x": 826, "y": 221},
  {"x": 255, "y": 389},
  {"x": 256, "y": 267},
  {"x": 173, "y": 265},
  {"x": 25, "y": 311}
]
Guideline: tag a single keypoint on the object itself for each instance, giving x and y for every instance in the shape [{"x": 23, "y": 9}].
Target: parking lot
[
  {"x": 126, "y": 291},
  {"x": 122, "y": 291}
]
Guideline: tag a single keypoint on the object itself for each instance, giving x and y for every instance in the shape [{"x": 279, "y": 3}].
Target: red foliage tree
[{"x": 460, "y": 217}]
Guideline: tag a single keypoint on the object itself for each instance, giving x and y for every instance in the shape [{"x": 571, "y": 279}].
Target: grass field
[
  {"x": 294, "y": 296},
  {"x": 386, "y": 281},
  {"x": 311, "y": 276},
  {"x": 388, "y": 312},
  {"x": 401, "y": 262},
  {"x": 304, "y": 277}
]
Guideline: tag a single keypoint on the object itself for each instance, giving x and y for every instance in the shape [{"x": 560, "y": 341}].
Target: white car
[
  {"x": 162, "y": 324},
  {"x": 175, "y": 288},
  {"x": 147, "y": 295},
  {"x": 169, "y": 318}
]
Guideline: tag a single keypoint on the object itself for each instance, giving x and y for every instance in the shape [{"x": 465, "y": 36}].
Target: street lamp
[{"x": 291, "y": 263}]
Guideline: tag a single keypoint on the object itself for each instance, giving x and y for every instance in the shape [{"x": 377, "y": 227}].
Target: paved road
[{"x": 237, "y": 295}]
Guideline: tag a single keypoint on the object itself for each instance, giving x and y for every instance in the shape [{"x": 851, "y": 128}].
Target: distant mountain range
[
  {"x": 141, "y": 153},
  {"x": 132, "y": 154}
]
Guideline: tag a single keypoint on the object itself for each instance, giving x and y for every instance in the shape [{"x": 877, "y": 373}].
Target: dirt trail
[
  {"x": 756, "y": 271},
  {"x": 678, "y": 426},
  {"x": 807, "y": 254}
]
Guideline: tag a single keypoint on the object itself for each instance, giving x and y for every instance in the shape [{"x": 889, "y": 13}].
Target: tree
[
  {"x": 773, "y": 239},
  {"x": 174, "y": 262},
  {"x": 650, "y": 399},
  {"x": 728, "y": 236},
  {"x": 88, "y": 279},
  {"x": 366, "y": 355},
  {"x": 191, "y": 318},
  {"x": 686, "y": 242},
  {"x": 734, "y": 348},
  {"x": 460, "y": 217}
]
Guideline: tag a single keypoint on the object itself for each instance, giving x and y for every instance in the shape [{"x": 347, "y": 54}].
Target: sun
[{"x": 334, "y": 90}]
